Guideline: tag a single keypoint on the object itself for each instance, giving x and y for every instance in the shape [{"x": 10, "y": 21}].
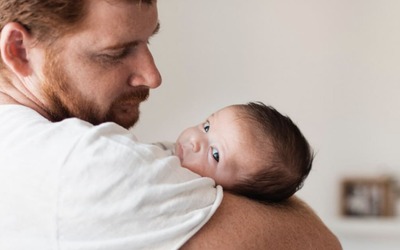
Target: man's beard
[{"x": 64, "y": 101}]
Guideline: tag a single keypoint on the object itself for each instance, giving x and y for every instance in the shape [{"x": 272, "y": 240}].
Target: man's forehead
[
  {"x": 109, "y": 24},
  {"x": 133, "y": 9},
  {"x": 129, "y": 1}
]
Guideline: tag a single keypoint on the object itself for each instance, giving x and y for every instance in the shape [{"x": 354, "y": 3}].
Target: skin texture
[{"x": 88, "y": 63}]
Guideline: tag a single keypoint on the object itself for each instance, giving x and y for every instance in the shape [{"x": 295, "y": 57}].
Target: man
[{"x": 73, "y": 74}]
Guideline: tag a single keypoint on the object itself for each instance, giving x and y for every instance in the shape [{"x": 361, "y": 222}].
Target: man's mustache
[{"x": 138, "y": 95}]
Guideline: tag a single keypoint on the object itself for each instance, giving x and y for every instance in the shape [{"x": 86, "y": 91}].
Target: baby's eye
[
  {"x": 206, "y": 126},
  {"x": 215, "y": 154}
]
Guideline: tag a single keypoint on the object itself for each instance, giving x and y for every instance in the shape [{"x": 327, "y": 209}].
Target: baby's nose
[{"x": 195, "y": 146}]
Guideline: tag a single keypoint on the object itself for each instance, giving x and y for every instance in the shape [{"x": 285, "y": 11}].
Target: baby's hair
[{"x": 287, "y": 156}]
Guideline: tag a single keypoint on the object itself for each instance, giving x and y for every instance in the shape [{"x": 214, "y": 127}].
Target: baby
[{"x": 250, "y": 149}]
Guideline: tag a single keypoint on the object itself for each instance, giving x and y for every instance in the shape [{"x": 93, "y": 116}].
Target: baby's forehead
[
  {"x": 249, "y": 146},
  {"x": 235, "y": 116},
  {"x": 233, "y": 111},
  {"x": 244, "y": 120},
  {"x": 248, "y": 154},
  {"x": 247, "y": 130}
]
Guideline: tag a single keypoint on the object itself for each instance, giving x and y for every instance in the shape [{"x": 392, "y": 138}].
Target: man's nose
[{"x": 145, "y": 71}]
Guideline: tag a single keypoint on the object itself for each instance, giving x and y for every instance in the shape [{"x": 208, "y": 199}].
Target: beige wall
[{"x": 332, "y": 66}]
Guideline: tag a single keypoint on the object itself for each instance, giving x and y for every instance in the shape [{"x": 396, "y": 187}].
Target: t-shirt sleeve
[{"x": 116, "y": 193}]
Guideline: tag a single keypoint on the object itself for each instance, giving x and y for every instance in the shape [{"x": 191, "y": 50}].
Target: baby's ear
[{"x": 14, "y": 41}]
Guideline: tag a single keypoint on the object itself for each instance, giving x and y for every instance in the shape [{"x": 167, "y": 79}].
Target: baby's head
[{"x": 250, "y": 149}]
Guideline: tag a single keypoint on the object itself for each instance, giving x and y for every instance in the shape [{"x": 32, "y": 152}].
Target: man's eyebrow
[{"x": 131, "y": 43}]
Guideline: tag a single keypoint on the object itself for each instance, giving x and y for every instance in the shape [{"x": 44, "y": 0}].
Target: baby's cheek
[{"x": 194, "y": 167}]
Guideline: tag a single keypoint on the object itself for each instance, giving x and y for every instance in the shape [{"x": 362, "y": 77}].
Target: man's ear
[{"x": 14, "y": 42}]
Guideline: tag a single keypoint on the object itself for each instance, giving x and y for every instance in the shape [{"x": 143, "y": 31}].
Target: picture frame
[{"x": 367, "y": 197}]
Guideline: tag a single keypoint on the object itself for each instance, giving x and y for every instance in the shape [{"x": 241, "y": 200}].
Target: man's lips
[{"x": 128, "y": 106}]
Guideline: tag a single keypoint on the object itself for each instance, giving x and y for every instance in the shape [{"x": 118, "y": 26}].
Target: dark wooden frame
[{"x": 361, "y": 197}]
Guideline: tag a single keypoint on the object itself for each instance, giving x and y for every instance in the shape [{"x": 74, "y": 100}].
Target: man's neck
[
  {"x": 5, "y": 99},
  {"x": 9, "y": 94}
]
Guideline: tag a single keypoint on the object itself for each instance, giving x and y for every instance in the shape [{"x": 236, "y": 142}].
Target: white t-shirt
[{"x": 72, "y": 185}]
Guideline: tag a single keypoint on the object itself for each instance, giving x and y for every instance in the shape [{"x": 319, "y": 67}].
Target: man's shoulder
[{"x": 97, "y": 182}]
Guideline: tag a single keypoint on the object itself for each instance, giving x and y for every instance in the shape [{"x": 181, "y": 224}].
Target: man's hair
[
  {"x": 287, "y": 157},
  {"x": 46, "y": 20}
]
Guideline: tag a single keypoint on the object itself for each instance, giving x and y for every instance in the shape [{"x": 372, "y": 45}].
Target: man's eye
[
  {"x": 215, "y": 154},
  {"x": 206, "y": 126},
  {"x": 113, "y": 57}
]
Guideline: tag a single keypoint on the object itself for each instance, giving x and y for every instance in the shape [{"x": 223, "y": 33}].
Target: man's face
[
  {"x": 222, "y": 148},
  {"x": 103, "y": 71}
]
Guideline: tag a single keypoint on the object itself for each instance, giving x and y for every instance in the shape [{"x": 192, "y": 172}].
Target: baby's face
[{"x": 221, "y": 148}]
